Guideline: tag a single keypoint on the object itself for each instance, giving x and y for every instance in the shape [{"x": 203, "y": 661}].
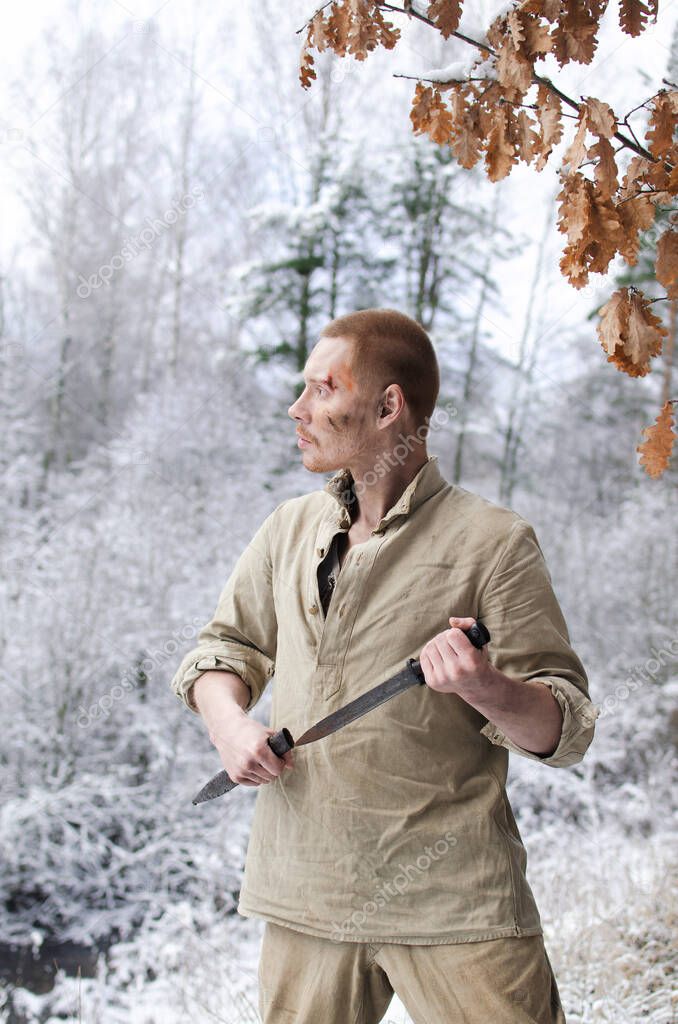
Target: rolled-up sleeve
[
  {"x": 530, "y": 641},
  {"x": 242, "y": 635}
]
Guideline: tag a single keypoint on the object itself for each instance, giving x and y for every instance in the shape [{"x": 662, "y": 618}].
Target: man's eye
[{"x": 321, "y": 391}]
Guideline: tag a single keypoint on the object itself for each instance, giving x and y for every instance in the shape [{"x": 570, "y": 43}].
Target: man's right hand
[
  {"x": 244, "y": 752},
  {"x": 221, "y": 698}
]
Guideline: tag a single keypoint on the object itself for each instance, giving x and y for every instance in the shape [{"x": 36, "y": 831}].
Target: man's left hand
[{"x": 451, "y": 664}]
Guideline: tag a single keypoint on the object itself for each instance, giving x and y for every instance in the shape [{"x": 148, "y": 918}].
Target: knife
[{"x": 282, "y": 741}]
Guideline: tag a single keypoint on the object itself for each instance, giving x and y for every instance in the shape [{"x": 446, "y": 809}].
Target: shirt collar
[{"x": 427, "y": 482}]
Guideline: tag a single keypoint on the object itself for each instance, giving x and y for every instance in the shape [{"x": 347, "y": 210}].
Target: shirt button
[
  {"x": 320, "y": 551},
  {"x": 313, "y": 609}
]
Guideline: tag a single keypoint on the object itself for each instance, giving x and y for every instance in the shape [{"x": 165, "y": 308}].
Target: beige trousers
[{"x": 306, "y": 980}]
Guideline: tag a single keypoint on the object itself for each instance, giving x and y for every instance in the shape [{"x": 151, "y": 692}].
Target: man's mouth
[{"x": 302, "y": 441}]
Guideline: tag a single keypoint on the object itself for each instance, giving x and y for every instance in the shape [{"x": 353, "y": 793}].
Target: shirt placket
[{"x": 333, "y": 631}]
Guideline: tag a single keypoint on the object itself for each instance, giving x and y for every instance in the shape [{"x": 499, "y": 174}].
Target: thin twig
[
  {"x": 434, "y": 81},
  {"x": 640, "y": 192},
  {"x": 299, "y": 30},
  {"x": 626, "y": 122},
  {"x": 633, "y": 109},
  {"x": 427, "y": 21}
]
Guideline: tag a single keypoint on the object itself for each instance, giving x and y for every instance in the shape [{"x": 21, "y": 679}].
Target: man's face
[{"x": 332, "y": 413}]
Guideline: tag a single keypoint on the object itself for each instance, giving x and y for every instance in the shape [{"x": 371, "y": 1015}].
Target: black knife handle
[
  {"x": 281, "y": 742},
  {"x": 478, "y": 634}
]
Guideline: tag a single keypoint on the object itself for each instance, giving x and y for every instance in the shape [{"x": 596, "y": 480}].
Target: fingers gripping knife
[{"x": 282, "y": 741}]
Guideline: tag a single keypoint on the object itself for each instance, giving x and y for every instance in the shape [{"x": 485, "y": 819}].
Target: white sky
[{"x": 624, "y": 72}]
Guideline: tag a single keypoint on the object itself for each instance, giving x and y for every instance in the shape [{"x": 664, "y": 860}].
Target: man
[{"x": 386, "y": 857}]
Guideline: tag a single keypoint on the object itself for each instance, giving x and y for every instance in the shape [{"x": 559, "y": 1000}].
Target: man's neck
[{"x": 374, "y": 498}]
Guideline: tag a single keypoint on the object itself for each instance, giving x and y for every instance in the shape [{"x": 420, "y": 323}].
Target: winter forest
[{"x": 180, "y": 220}]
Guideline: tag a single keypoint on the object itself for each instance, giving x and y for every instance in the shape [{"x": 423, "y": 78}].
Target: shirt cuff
[
  {"x": 579, "y": 716},
  {"x": 254, "y": 670}
]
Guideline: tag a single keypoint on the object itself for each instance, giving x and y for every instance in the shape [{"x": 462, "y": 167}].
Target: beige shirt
[{"x": 397, "y": 828}]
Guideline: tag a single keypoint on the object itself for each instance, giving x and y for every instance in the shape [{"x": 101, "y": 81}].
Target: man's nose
[{"x": 295, "y": 409}]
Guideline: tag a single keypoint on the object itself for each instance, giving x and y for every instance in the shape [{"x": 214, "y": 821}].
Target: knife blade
[{"x": 282, "y": 741}]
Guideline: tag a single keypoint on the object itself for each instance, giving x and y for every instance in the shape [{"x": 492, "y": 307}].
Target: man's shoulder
[
  {"x": 468, "y": 528},
  {"x": 477, "y": 512}
]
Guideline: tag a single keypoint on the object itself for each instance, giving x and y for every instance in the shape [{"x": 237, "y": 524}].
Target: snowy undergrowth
[
  {"x": 601, "y": 842},
  {"x": 612, "y": 968}
]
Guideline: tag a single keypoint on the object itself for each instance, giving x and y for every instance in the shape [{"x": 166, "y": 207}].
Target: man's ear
[{"x": 387, "y": 403}]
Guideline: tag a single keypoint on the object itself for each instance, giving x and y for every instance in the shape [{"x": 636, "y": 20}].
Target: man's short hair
[{"x": 391, "y": 348}]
